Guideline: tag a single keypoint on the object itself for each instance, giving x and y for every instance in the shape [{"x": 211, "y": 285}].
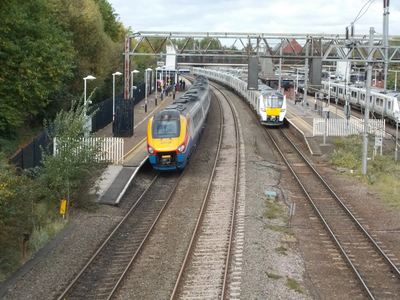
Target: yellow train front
[
  {"x": 167, "y": 140},
  {"x": 174, "y": 131}
]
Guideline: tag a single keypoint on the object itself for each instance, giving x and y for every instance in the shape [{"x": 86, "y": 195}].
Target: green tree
[
  {"x": 72, "y": 171},
  {"x": 112, "y": 26},
  {"x": 36, "y": 55}
]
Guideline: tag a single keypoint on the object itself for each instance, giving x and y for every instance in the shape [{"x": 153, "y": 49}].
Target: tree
[
  {"x": 112, "y": 26},
  {"x": 36, "y": 55},
  {"x": 72, "y": 171}
]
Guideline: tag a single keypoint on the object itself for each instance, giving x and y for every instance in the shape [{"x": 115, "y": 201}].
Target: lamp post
[
  {"x": 114, "y": 74},
  {"x": 87, "y": 125},
  {"x": 145, "y": 92},
  {"x": 133, "y": 72}
]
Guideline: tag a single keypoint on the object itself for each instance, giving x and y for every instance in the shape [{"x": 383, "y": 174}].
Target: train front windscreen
[{"x": 166, "y": 128}]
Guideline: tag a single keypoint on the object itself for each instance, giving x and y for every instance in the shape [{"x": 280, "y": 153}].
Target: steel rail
[
  {"x": 201, "y": 214},
  {"x": 363, "y": 230},
  {"x": 234, "y": 112},
  {"x": 145, "y": 238},
  {"x": 347, "y": 258},
  {"x": 105, "y": 243}
]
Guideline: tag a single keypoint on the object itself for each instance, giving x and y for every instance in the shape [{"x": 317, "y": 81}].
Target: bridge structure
[{"x": 275, "y": 46}]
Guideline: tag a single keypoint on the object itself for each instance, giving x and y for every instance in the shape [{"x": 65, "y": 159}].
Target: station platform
[{"x": 300, "y": 116}]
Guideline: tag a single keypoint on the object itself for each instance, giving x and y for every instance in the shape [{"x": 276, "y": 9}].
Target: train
[
  {"x": 268, "y": 104},
  {"x": 173, "y": 132},
  {"x": 381, "y": 104}
]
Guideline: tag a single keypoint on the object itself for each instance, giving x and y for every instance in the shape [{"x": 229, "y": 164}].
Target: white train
[
  {"x": 268, "y": 104},
  {"x": 382, "y": 105}
]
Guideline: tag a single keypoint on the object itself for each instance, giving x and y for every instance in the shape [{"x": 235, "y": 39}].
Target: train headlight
[
  {"x": 181, "y": 148},
  {"x": 150, "y": 150},
  {"x": 283, "y": 109},
  {"x": 262, "y": 110}
]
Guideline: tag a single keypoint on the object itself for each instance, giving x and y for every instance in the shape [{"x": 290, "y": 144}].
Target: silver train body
[
  {"x": 382, "y": 105},
  {"x": 268, "y": 104}
]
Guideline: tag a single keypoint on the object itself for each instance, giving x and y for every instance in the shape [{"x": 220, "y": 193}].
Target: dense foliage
[
  {"x": 36, "y": 57},
  {"x": 47, "y": 47}
]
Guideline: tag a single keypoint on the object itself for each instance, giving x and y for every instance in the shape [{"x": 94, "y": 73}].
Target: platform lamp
[
  {"x": 114, "y": 74},
  {"x": 145, "y": 91},
  {"x": 133, "y": 72},
  {"x": 87, "y": 125}
]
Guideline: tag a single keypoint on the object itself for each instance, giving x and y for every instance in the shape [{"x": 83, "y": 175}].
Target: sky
[{"x": 255, "y": 16}]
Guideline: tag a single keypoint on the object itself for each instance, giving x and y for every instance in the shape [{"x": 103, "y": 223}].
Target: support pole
[
  {"x": 306, "y": 78},
  {"x": 367, "y": 96}
]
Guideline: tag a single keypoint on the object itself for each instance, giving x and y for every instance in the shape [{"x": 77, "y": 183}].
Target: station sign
[{"x": 160, "y": 63}]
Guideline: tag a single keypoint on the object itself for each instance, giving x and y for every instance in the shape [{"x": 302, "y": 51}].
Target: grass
[
  {"x": 382, "y": 171},
  {"x": 273, "y": 209},
  {"x": 273, "y": 276},
  {"x": 281, "y": 250},
  {"x": 42, "y": 235},
  {"x": 282, "y": 229},
  {"x": 291, "y": 283}
]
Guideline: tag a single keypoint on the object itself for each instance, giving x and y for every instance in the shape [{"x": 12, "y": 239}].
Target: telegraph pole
[{"x": 367, "y": 96}]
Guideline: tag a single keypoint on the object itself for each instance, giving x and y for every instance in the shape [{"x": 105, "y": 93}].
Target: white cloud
[{"x": 290, "y": 16}]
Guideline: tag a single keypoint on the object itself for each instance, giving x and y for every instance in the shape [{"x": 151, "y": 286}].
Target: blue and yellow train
[{"x": 174, "y": 131}]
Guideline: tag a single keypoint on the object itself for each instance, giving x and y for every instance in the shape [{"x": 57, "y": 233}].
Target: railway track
[
  {"x": 105, "y": 270},
  {"x": 375, "y": 272},
  {"x": 205, "y": 269}
]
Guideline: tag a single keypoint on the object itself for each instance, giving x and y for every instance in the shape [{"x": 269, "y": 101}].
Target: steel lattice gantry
[{"x": 263, "y": 45}]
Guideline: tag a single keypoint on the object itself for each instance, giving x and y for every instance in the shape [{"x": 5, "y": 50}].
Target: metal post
[
  {"x": 397, "y": 137},
  {"x": 386, "y": 39},
  {"x": 367, "y": 96},
  {"x": 280, "y": 67},
  {"x": 306, "y": 78},
  {"x": 113, "y": 120},
  {"x": 113, "y": 75},
  {"x": 145, "y": 91},
  {"x": 155, "y": 100}
]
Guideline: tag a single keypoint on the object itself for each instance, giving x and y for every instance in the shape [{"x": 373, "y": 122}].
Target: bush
[{"x": 17, "y": 194}]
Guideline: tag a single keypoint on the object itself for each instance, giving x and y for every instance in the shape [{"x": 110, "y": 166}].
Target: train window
[
  {"x": 340, "y": 91},
  {"x": 379, "y": 101},
  {"x": 362, "y": 96},
  {"x": 334, "y": 89},
  {"x": 273, "y": 101},
  {"x": 169, "y": 128},
  {"x": 389, "y": 106}
]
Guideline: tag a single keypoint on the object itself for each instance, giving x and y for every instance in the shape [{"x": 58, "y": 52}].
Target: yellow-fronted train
[{"x": 174, "y": 131}]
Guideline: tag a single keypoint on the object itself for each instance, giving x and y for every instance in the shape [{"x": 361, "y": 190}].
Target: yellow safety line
[
  {"x": 136, "y": 146},
  {"x": 297, "y": 116}
]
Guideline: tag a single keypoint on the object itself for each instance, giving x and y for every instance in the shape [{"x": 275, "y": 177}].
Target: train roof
[{"x": 185, "y": 103}]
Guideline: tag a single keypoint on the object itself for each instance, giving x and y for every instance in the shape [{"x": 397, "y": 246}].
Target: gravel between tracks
[{"x": 266, "y": 269}]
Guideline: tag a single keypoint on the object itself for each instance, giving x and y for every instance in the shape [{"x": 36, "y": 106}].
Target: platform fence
[{"x": 343, "y": 127}]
